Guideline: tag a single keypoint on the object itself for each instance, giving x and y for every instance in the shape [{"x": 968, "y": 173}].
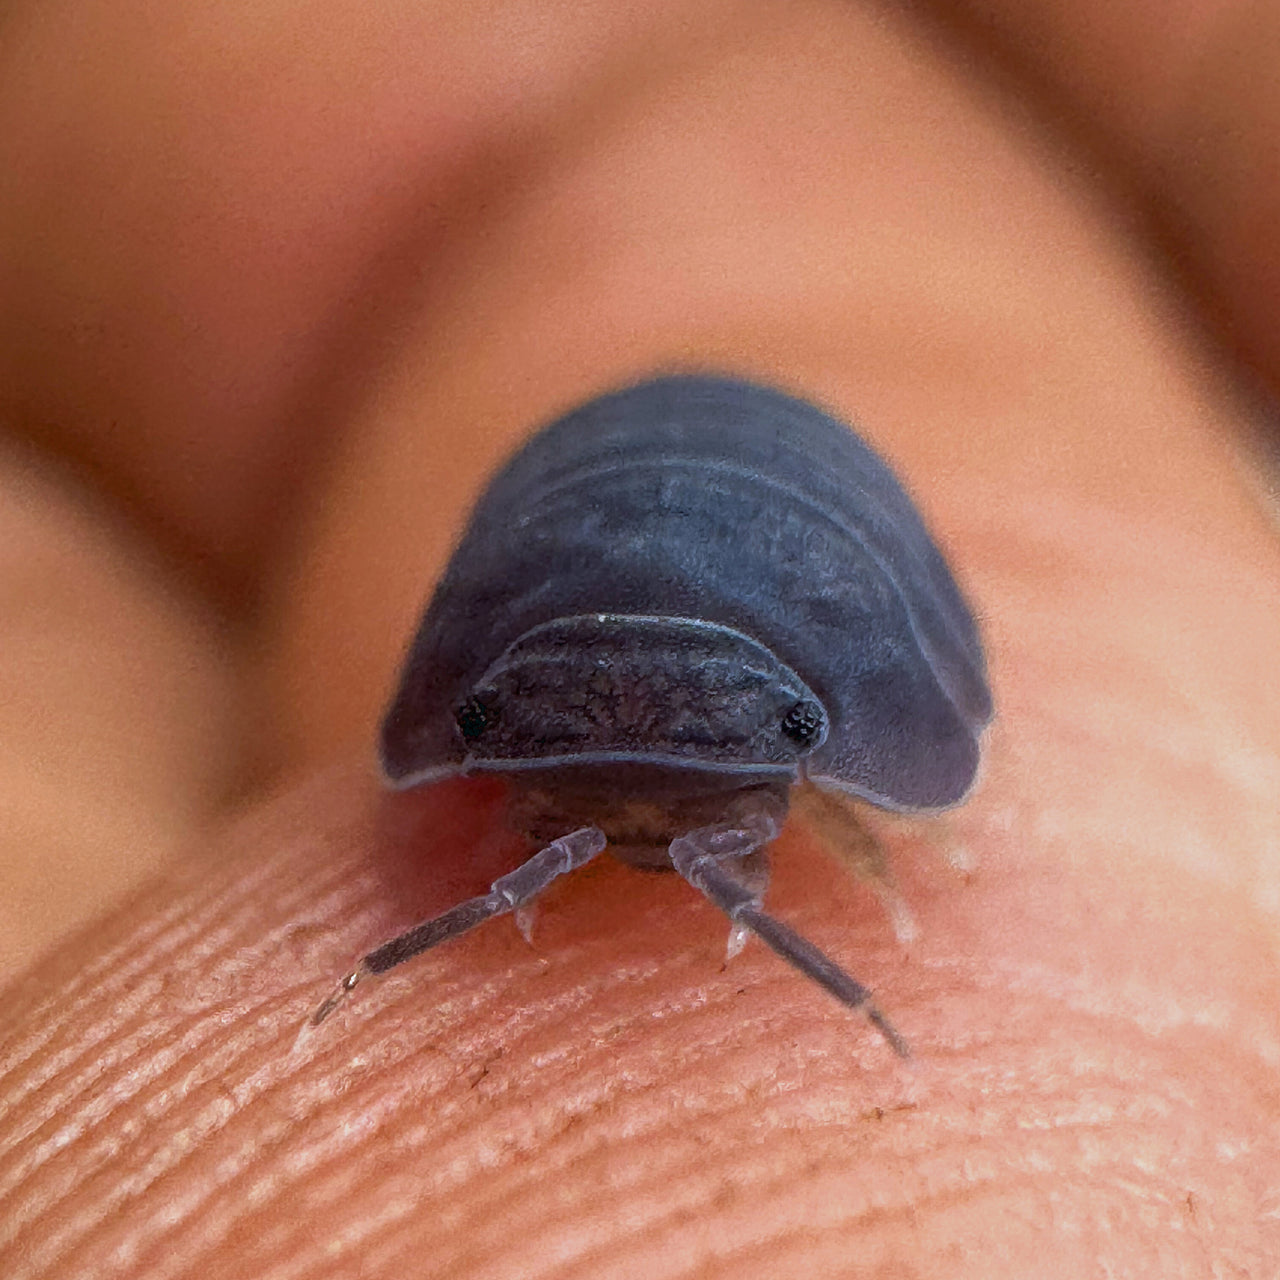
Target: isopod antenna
[
  {"x": 507, "y": 893},
  {"x": 705, "y": 858}
]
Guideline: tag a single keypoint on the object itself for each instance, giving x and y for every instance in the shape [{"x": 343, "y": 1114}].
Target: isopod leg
[
  {"x": 507, "y": 893},
  {"x": 840, "y": 823},
  {"x": 700, "y": 857},
  {"x": 751, "y": 871}
]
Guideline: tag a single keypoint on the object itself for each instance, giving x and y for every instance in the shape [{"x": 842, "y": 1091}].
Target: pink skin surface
[{"x": 279, "y": 286}]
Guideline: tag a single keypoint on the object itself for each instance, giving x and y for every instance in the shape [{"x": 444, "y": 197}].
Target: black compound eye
[
  {"x": 803, "y": 723},
  {"x": 473, "y": 718}
]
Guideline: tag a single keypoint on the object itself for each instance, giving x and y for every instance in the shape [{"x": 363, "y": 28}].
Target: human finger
[
  {"x": 1184, "y": 101},
  {"x": 1084, "y": 1063}
]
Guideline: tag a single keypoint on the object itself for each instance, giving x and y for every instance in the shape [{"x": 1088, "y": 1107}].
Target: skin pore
[{"x": 279, "y": 287}]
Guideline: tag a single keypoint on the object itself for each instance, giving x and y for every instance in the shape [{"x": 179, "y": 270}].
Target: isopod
[{"x": 671, "y": 607}]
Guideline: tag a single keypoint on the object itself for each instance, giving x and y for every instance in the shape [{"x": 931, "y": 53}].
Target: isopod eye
[
  {"x": 473, "y": 718},
  {"x": 803, "y": 723}
]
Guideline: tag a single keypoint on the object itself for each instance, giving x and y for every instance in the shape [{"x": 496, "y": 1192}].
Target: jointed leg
[
  {"x": 508, "y": 893},
  {"x": 700, "y": 857},
  {"x": 751, "y": 872},
  {"x": 837, "y": 820}
]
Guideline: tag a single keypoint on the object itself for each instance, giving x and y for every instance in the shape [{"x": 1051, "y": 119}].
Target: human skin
[{"x": 278, "y": 288}]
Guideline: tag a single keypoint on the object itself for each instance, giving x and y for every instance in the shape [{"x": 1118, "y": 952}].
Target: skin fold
[{"x": 279, "y": 287}]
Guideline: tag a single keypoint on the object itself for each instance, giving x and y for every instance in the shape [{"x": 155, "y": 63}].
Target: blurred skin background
[{"x": 279, "y": 287}]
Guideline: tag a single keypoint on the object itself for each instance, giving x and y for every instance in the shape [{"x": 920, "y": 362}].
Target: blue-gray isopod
[{"x": 671, "y": 605}]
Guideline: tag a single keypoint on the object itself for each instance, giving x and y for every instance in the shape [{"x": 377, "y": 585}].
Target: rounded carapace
[{"x": 704, "y": 574}]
